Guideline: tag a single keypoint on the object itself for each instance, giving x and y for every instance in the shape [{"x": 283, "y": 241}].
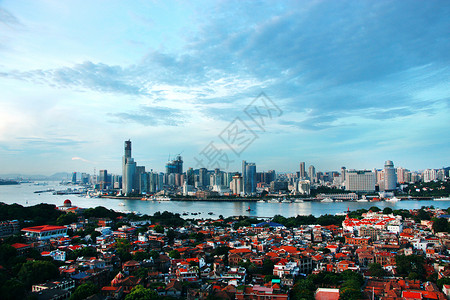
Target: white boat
[
  {"x": 393, "y": 199},
  {"x": 274, "y": 200},
  {"x": 261, "y": 201},
  {"x": 121, "y": 204},
  {"x": 339, "y": 200},
  {"x": 298, "y": 201},
  {"x": 286, "y": 201},
  {"x": 162, "y": 198},
  {"x": 442, "y": 199},
  {"x": 362, "y": 200},
  {"x": 327, "y": 200}
]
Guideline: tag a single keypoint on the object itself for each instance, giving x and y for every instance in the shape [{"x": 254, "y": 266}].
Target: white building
[{"x": 361, "y": 181}]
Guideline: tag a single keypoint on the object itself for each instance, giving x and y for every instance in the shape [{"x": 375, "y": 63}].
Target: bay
[{"x": 24, "y": 195}]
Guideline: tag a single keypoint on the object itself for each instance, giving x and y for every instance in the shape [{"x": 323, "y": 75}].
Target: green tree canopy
[
  {"x": 33, "y": 272},
  {"x": 83, "y": 291},
  {"x": 141, "y": 293}
]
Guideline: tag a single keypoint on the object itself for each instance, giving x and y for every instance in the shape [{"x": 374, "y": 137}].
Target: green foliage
[
  {"x": 174, "y": 254},
  {"x": 83, "y": 252},
  {"x": 159, "y": 229},
  {"x": 411, "y": 266},
  {"x": 66, "y": 219},
  {"x": 375, "y": 209},
  {"x": 440, "y": 282},
  {"x": 83, "y": 291},
  {"x": 441, "y": 225},
  {"x": 432, "y": 189},
  {"x": 141, "y": 293},
  {"x": 141, "y": 255},
  {"x": 33, "y": 272},
  {"x": 101, "y": 212},
  {"x": 387, "y": 211},
  {"x": 376, "y": 270},
  {"x": 12, "y": 289},
  {"x": 7, "y": 252},
  {"x": 38, "y": 214},
  {"x": 123, "y": 247},
  {"x": 167, "y": 218}
]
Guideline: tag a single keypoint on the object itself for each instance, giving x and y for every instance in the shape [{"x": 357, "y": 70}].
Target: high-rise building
[
  {"x": 175, "y": 166},
  {"x": 302, "y": 173},
  {"x": 190, "y": 178},
  {"x": 236, "y": 184},
  {"x": 103, "y": 179},
  {"x": 304, "y": 187},
  {"x": 128, "y": 170},
  {"x": 74, "y": 177},
  {"x": 248, "y": 178},
  {"x": 360, "y": 181},
  {"x": 312, "y": 173},
  {"x": 429, "y": 175},
  {"x": 203, "y": 177},
  {"x": 390, "y": 178}
]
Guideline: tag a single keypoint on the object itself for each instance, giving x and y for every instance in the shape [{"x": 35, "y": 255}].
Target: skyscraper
[
  {"x": 248, "y": 177},
  {"x": 311, "y": 173},
  {"x": 175, "y": 166},
  {"x": 360, "y": 181},
  {"x": 128, "y": 170},
  {"x": 103, "y": 179},
  {"x": 302, "y": 174},
  {"x": 390, "y": 178}
]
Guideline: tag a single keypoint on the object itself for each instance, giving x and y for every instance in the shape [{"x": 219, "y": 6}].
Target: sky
[{"x": 330, "y": 83}]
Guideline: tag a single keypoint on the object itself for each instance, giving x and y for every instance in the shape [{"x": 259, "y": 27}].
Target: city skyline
[{"x": 355, "y": 83}]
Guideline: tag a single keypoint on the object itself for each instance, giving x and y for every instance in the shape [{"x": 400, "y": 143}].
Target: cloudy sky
[{"x": 353, "y": 83}]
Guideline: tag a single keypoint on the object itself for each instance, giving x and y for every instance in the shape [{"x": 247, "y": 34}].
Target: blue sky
[{"x": 356, "y": 82}]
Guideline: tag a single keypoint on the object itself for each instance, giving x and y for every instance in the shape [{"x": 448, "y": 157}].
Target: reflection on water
[{"x": 24, "y": 195}]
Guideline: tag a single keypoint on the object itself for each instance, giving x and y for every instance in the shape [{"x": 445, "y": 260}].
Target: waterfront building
[
  {"x": 236, "y": 184},
  {"x": 312, "y": 173},
  {"x": 302, "y": 173},
  {"x": 248, "y": 178},
  {"x": 429, "y": 175},
  {"x": 304, "y": 187},
  {"x": 74, "y": 177},
  {"x": 190, "y": 178},
  {"x": 390, "y": 178},
  {"x": 103, "y": 179},
  {"x": 360, "y": 181},
  {"x": 203, "y": 177},
  {"x": 175, "y": 166},
  {"x": 128, "y": 170}
]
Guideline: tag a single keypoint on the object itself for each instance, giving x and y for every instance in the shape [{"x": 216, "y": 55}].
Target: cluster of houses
[{"x": 261, "y": 261}]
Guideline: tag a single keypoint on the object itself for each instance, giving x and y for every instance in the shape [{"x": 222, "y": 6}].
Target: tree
[
  {"x": 174, "y": 254},
  {"x": 83, "y": 291},
  {"x": 387, "y": 210},
  {"x": 441, "y": 225},
  {"x": 7, "y": 252},
  {"x": 376, "y": 270},
  {"x": 141, "y": 293},
  {"x": 159, "y": 229},
  {"x": 410, "y": 265},
  {"x": 12, "y": 290},
  {"x": 66, "y": 219},
  {"x": 374, "y": 209},
  {"x": 33, "y": 272}
]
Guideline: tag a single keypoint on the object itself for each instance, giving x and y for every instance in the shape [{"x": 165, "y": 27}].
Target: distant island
[{"x": 8, "y": 182}]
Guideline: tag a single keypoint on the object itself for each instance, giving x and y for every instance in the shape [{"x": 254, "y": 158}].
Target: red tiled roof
[{"x": 43, "y": 228}]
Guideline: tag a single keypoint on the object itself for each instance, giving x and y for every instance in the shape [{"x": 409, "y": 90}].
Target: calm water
[{"x": 23, "y": 194}]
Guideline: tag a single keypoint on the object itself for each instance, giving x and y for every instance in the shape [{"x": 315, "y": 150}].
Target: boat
[
  {"x": 375, "y": 199},
  {"x": 249, "y": 209},
  {"x": 121, "y": 204},
  {"x": 261, "y": 201},
  {"x": 339, "y": 200},
  {"x": 274, "y": 200},
  {"x": 442, "y": 199},
  {"x": 362, "y": 200},
  {"x": 286, "y": 201},
  {"x": 162, "y": 198},
  {"x": 327, "y": 200},
  {"x": 393, "y": 199},
  {"x": 298, "y": 201},
  {"x": 210, "y": 213}
]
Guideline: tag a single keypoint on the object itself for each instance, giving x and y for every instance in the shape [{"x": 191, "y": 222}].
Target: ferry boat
[
  {"x": 442, "y": 199},
  {"x": 327, "y": 200},
  {"x": 393, "y": 199}
]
